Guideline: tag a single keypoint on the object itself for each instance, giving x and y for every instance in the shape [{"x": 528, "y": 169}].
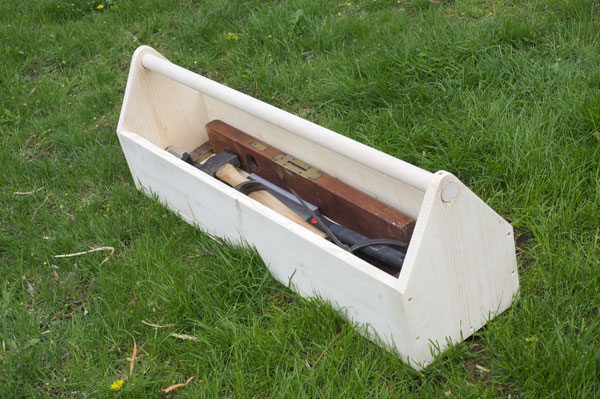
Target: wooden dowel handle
[{"x": 230, "y": 175}]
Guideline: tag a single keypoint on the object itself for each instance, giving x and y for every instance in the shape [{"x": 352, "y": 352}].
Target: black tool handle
[{"x": 383, "y": 253}]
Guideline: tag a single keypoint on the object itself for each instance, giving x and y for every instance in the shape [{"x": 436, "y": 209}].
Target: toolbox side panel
[
  {"x": 309, "y": 264},
  {"x": 460, "y": 269}
]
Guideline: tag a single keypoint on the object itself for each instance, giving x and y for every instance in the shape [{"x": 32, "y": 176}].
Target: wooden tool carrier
[{"x": 459, "y": 269}]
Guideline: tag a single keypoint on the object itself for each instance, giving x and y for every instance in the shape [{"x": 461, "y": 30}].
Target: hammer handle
[{"x": 230, "y": 175}]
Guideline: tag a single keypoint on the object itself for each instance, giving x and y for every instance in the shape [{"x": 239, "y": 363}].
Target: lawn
[{"x": 503, "y": 94}]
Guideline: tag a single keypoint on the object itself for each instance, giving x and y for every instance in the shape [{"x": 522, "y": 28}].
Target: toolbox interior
[{"x": 338, "y": 209}]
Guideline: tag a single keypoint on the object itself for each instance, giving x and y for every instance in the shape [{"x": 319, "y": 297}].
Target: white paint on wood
[
  {"x": 164, "y": 112},
  {"x": 460, "y": 268}
]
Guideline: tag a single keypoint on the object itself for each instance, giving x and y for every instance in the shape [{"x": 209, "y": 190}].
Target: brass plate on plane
[
  {"x": 297, "y": 166},
  {"x": 258, "y": 146}
]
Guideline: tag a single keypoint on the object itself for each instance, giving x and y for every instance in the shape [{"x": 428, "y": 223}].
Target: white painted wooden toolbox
[{"x": 460, "y": 268}]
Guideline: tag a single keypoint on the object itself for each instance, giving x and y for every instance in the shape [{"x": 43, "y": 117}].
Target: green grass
[{"x": 504, "y": 94}]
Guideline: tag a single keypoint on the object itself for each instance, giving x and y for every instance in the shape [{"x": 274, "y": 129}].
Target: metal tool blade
[{"x": 287, "y": 198}]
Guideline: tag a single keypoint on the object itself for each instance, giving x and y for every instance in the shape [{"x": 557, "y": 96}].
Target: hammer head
[{"x": 217, "y": 161}]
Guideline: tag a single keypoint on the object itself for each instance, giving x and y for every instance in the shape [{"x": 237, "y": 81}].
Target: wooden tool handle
[{"x": 230, "y": 175}]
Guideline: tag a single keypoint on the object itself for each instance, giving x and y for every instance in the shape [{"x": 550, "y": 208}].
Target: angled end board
[{"x": 460, "y": 268}]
